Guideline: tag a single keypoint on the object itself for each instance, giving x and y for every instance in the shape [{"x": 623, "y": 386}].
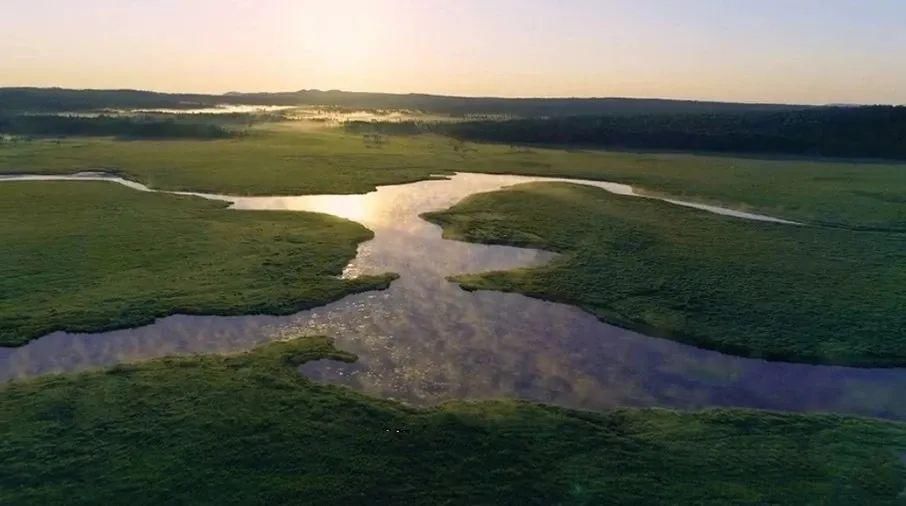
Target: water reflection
[{"x": 424, "y": 340}]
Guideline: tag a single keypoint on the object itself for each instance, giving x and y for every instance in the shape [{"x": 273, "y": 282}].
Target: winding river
[{"x": 424, "y": 340}]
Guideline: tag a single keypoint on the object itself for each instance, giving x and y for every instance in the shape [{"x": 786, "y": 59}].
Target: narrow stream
[{"x": 424, "y": 340}]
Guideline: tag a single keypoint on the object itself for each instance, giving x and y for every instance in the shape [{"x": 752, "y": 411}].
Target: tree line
[
  {"x": 869, "y": 131},
  {"x": 109, "y": 126},
  {"x": 61, "y": 100}
]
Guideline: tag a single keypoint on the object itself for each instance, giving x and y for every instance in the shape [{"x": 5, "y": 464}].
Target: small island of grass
[{"x": 782, "y": 292}]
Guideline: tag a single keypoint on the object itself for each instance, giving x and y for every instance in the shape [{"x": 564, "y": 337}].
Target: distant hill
[{"x": 59, "y": 99}]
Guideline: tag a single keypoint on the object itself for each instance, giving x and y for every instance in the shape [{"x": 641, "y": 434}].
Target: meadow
[
  {"x": 249, "y": 429},
  {"x": 92, "y": 256},
  {"x": 781, "y": 292}
]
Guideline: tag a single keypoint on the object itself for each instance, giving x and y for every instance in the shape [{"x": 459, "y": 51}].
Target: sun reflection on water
[{"x": 358, "y": 208}]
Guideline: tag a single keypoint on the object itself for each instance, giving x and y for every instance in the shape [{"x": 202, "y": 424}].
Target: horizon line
[{"x": 434, "y": 94}]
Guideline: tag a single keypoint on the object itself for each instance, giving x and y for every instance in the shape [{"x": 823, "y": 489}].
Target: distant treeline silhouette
[
  {"x": 870, "y": 131},
  {"x": 125, "y": 127},
  {"x": 58, "y": 99}
]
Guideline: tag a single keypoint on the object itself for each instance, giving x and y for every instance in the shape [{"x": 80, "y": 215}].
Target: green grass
[
  {"x": 90, "y": 256},
  {"x": 289, "y": 158},
  {"x": 248, "y": 429},
  {"x": 807, "y": 294}
]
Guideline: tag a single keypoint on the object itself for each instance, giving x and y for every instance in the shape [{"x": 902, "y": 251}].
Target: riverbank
[
  {"x": 92, "y": 256},
  {"x": 292, "y": 158}
]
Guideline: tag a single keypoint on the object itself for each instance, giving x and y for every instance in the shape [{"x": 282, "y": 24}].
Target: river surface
[{"x": 424, "y": 340}]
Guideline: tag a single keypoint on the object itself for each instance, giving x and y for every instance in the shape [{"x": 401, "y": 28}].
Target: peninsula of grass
[
  {"x": 782, "y": 292},
  {"x": 292, "y": 158},
  {"x": 249, "y": 429},
  {"x": 93, "y": 256}
]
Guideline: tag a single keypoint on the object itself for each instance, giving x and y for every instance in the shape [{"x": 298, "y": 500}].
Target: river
[{"x": 424, "y": 340}]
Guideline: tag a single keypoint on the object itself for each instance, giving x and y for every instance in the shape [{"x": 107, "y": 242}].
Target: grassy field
[
  {"x": 248, "y": 429},
  {"x": 807, "y": 294},
  {"x": 89, "y": 256},
  {"x": 291, "y": 158}
]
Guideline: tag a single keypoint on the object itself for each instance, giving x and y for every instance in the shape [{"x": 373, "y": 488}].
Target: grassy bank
[
  {"x": 756, "y": 289},
  {"x": 289, "y": 159},
  {"x": 89, "y": 256},
  {"x": 249, "y": 429}
]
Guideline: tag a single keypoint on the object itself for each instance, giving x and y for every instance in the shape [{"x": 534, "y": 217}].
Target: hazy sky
[{"x": 814, "y": 51}]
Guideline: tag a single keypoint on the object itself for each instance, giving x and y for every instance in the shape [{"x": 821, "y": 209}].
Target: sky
[{"x": 794, "y": 51}]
